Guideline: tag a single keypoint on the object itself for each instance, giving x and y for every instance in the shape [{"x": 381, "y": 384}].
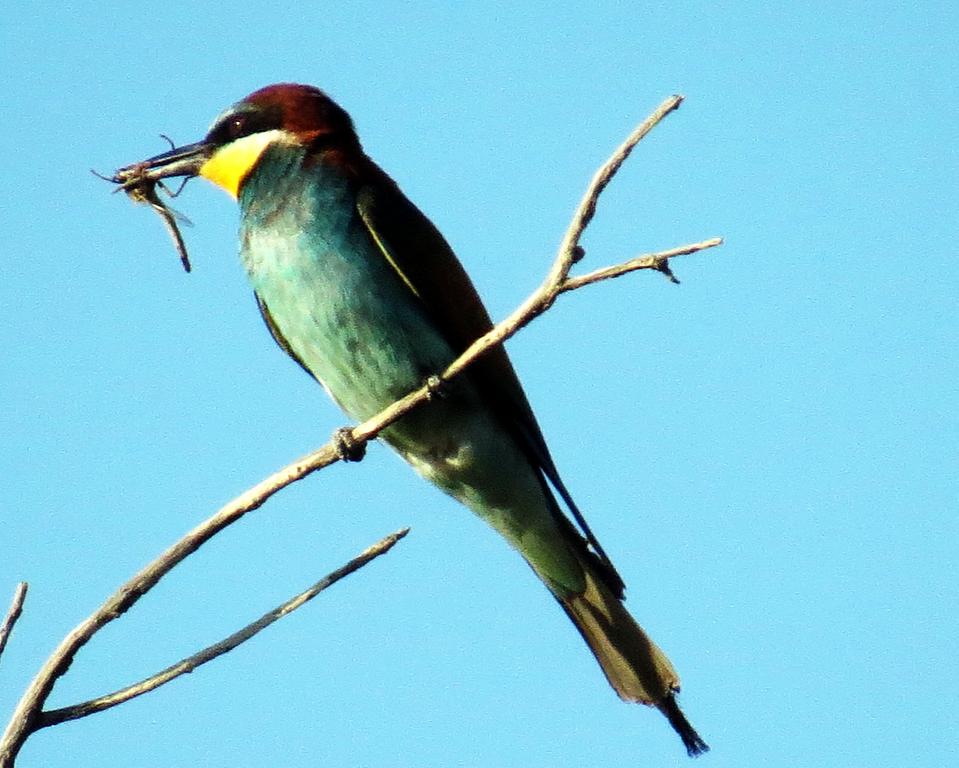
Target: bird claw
[
  {"x": 347, "y": 447},
  {"x": 435, "y": 387}
]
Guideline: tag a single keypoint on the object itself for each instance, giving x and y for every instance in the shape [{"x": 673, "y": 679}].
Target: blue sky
[{"x": 767, "y": 451}]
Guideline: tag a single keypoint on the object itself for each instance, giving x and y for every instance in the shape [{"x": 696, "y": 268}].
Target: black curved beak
[{"x": 180, "y": 161}]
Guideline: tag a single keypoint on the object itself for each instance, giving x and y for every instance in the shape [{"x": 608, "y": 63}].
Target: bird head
[{"x": 285, "y": 113}]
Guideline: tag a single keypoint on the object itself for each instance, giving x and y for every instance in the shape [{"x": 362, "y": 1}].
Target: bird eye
[{"x": 237, "y": 127}]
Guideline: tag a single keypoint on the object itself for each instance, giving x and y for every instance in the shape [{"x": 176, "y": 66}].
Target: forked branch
[{"x": 187, "y": 665}]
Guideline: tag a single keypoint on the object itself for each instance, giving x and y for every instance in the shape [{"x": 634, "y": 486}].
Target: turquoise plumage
[{"x": 364, "y": 293}]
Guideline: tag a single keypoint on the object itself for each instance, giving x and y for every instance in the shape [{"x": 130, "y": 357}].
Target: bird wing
[
  {"x": 278, "y": 337},
  {"x": 426, "y": 264}
]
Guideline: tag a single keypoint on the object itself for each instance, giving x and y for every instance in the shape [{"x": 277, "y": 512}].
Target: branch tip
[{"x": 13, "y": 613}]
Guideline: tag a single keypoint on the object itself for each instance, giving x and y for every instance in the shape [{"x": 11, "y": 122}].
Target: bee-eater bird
[{"x": 363, "y": 292}]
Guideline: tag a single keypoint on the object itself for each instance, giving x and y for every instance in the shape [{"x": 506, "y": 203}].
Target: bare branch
[
  {"x": 13, "y": 613},
  {"x": 27, "y": 715},
  {"x": 645, "y": 261},
  {"x": 584, "y": 213},
  {"x": 187, "y": 665}
]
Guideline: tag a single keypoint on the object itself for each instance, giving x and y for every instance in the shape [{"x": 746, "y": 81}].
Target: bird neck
[{"x": 271, "y": 179}]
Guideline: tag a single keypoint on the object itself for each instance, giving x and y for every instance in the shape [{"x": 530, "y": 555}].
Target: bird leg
[
  {"x": 347, "y": 447},
  {"x": 436, "y": 387}
]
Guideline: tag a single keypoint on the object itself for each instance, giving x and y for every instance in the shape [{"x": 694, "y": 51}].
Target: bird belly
[
  {"x": 363, "y": 335},
  {"x": 460, "y": 448}
]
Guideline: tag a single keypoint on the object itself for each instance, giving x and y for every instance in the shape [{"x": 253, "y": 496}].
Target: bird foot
[
  {"x": 347, "y": 447},
  {"x": 436, "y": 388}
]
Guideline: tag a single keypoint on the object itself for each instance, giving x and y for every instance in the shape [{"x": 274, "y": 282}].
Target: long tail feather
[{"x": 635, "y": 667}]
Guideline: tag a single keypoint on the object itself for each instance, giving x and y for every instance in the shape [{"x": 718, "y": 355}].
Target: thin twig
[
  {"x": 13, "y": 613},
  {"x": 27, "y": 712},
  {"x": 645, "y": 261},
  {"x": 187, "y": 665},
  {"x": 569, "y": 252},
  {"x": 26, "y": 717}
]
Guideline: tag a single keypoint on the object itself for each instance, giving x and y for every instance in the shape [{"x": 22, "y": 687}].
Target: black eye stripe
[{"x": 243, "y": 122}]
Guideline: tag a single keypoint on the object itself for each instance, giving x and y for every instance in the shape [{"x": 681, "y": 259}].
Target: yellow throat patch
[{"x": 232, "y": 162}]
